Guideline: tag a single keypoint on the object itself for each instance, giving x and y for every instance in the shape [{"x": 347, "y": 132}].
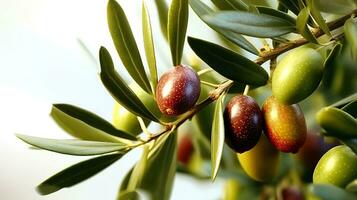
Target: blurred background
[{"x": 48, "y": 54}]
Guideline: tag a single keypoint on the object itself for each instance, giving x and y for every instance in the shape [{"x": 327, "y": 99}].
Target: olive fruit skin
[
  {"x": 177, "y": 90},
  {"x": 292, "y": 193},
  {"x": 297, "y": 75},
  {"x": 337, "y": 167},
  {"x": 243, "y": 122},
  {"x": 261, "y": 163},
  {"x": 285, "y": 125},
  {"x": 184, "y": 149}
]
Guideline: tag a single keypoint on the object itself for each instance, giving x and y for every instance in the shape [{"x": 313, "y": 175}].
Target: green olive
[
  {"x": 261, "y": 162},
  {"x": 337, "y": 167},
  {"x": 297, "y": 75}
]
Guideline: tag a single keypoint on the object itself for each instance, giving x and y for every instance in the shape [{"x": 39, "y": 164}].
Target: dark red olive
[
  {"x": 184, "y": 149},
  {"x": 243, "y": 121},
  {"x": 292, "y": 193},
  {"x": 177, "y": 90}
]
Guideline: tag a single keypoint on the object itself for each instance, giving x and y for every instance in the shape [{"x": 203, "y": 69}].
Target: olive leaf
[
  {"x": 336, "y": 6},
  {"x": 138, "y": 171},
  {"x": 351, "y": 108},
  {"x": 77, "y": 173},
  {"x": 251, "y": 24},
  {"x": 86, "y": 125},
  {"x": 329, "y": 66},
  {"x": 315, "y": 12},
  {"x": 217, "y": 134},
  {"x": 330, "y": 192},
  {"x": 230, "y": 4},
  {"x": 352, "y": 143},
  {"x": 72, "y": 146},
  {"x": 345, "y": 101},
  {"x": 118, "y": 89},
  {"x": 125, "y": 44},
  {"x": 350, "y": 29},
  {"x": 201, "y": 9},
  {"x": 177, "y": 26},
  {"x": 149, "y": 46},
  {"x": 276, "y": 13},
  {"x": 291, "y": 5},
  {"x": 129, "y": 195},
  {"x": 228, "y": 63},
  {"x": 337, "y": 123},
  {"x": 162, "y": 10},
  {"x": 301, "y": 25}
]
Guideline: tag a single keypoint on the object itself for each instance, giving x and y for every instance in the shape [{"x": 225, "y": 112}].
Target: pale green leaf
[
  {"x": 230, "y": 4},
  {"x": 330, "y": 192},
  {"x": 302, "y": 27}
]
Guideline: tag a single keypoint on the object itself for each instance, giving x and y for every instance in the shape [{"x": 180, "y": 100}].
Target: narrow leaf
[
  {"x": 337, "y": 123},
  {"x": 162, "y": 10},
  {"x": 149, "y": 46},
  {"x": 72, "y": 147},
  {"x": 129, "y": 195},
  {"x": 336, "y": 6},
  {"x": 350, "y": 29},
  {"x": 84, "y": 124},
  {"x": 125, "y": 44},
  {"x": 351, "y": 108},
  {"x": 228, "y": 63},
  {"x": 217, "y": 141},
  {"x": 77, "y": 173},
  {"x": 315, "y": 12},
  {"x": 118, "y": 89},
  {"x": 138, "y": 171},
  {"x": 276, "y": 13},
  {"x": 201, "y": 9},
  {"x": 251, "y": 24},
  {"x": 330, "y": 192},
  {"x": 352, "y": 143},
  {"x": 301, "y": 25},
  {"x": 161, "y": 167},
  {"x": 292, "y": 5},
  {"x": 330, "y": 67},
  {"x": 345, "y": 101},
  {"x": 177, "y": 26},
  {"x": 230, "y": 4}
]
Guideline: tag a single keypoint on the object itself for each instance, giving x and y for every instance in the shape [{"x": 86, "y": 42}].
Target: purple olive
[
  {"x": 177, "y": 90},
  {"x": 243, "y": 121}
]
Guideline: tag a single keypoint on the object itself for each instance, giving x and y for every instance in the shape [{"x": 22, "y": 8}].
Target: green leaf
[
  {"x": 228, "y": 63},
  {"x": 337, "y": 123},
  {"x": 315, "y": 12},
  {"x": 352, "y": 143},
  {"x": 217, "y": 141},
  {"x": 118, "y": 89},
  {"x": 161, "y": 167},
  {"x": 86, "y": 125},
  {"x": 345, "y": 101},
  {"x": 162, "y": 10},
  {"x": 129, "y": 195},
  {"x": 72, "y": 147},
  {"x": 350, "y": 29},
  {"x": 177, "y": 26},
  {"x": 201, "y": 9},
  {"x": 138, "y": 171},
  {"x": 336, "y": 6},
  {"x": 230, "y": 4},
  {"x": 301, "y": 25},
  {"x": 351, "y": 108},
  {"x": 331, "y": 57},
  {"x": 292, "y": 5},
  {"x": 276, "y": 13},
  {"x": 330, "y": 192},
  {"x": 77, "y": 173},
  {"x": 252, "y": 24},
  {"x": 125, "y": 44},
  {"x": 149, "y": 46}
]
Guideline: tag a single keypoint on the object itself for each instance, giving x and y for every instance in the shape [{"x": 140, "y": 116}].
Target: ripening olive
[
  {"x": 292, "y": 193},
  {"x": 261, "y": 163},
  {"x": 184, "y": 149},
  {"x": 243, "y": 122},
  {"x": 284, "y": 125},
  {"x": 338, "y": 167},
  {"x": 297, "y": 75},
  {"x": 177, "y": 90}
]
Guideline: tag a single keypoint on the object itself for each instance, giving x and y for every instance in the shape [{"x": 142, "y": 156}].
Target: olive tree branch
[{"x": 223, "y": 87}]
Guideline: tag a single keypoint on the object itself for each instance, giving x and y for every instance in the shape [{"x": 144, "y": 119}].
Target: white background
[{"x": 42, "y": 63}]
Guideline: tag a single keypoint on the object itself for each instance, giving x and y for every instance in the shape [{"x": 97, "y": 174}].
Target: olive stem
[{"x": 268, "y": 55}]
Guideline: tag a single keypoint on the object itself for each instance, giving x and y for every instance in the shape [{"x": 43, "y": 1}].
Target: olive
[
  {"x": 292, "y": 193},
  {"x": 284, "y": 125},
  {"x": 337, "y": 167},
  {"x": 177, "y": 90},
  {"x": 261, "y": 163},
  {"x": 297, "y": 75},
  {"x": 243, "y": 122},
  {"x": 184, "y": 149}
]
